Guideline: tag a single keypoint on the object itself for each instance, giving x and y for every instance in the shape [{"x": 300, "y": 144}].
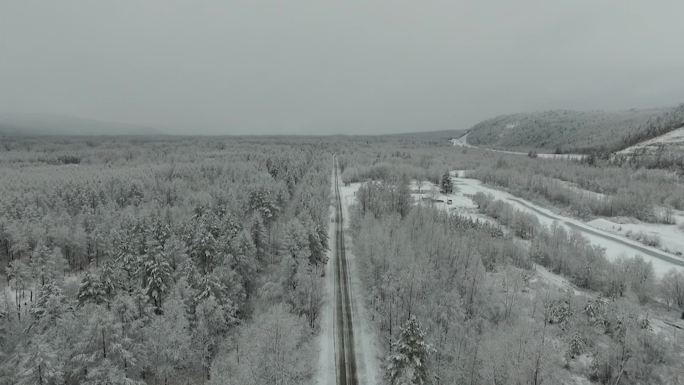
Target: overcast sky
[{"x": 353, "y": 66}]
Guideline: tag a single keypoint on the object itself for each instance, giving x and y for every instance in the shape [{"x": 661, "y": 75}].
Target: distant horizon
[{"x": 165, "y": 131}]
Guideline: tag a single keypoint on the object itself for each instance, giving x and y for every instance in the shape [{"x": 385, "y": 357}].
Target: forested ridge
[
  {"x": 567, "y": 131},
  {"x": 152, "y": 261}
]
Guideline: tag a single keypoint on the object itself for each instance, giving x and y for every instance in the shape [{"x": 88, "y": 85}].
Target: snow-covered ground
[
  {"x": 616, "y": 246},
  {"x": 662, "y": 322},
  {"x": 671, "y": 237},
  {"x": 461, "y": 142},
  {"x": 8, "y": 296},
  {"x": 544, "y": 275},
  {"x": 672, "y": 138}
]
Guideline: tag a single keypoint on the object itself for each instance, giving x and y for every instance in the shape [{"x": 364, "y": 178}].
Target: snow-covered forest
[
  {"x": 161, "y": 261},
  {"x": 204, "y": 260},
  {"x": 488, "y": 317},
  {"x": 462, "y": 300}
]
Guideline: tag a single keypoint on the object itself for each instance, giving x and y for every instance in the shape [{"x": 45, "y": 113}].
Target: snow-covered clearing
[
  {"x": 461, "y": 142},
  {"x": 616, "y": 246},
  {"x": 671, "y": 237},
  {"x": 428, "y": 194},
  {"x": 544, "y": 275}
]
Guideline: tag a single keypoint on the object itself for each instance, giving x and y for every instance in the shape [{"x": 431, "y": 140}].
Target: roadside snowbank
[
  {"x": 368, "y": 351},
  {"x": 326, "y": 339}
]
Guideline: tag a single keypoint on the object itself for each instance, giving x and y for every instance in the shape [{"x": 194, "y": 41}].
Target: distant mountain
[
  {"x": 60, "y": 125},
  {"x": 574, "y": 131},
  {"x": 428, "y": 137}
]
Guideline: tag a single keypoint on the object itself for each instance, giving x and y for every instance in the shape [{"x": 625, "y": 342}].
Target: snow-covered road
[
  {"x": 348, "y": 355},
  {"x": 463, "y": 142}
]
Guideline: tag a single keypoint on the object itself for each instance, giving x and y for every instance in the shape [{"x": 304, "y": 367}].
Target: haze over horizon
[{"x": 311, "y": 67}]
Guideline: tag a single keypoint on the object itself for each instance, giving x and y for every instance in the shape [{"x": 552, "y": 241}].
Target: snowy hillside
[{"x": 673, "y": 140}]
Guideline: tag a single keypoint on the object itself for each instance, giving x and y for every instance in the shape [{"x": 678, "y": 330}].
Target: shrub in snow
[
  {"x": 558, "y": 311},
  {"x": 576, "y": 345}
]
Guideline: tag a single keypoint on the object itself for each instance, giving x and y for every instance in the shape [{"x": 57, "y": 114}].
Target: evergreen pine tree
[
  {"x": 157, "y": 274},
  {"x": 108, "y": 281},
  {"x": 404, "y": 200},
  {"x": 446, "y": 185},
  {"x": 408, "y": 360},
  {"x": 259, "y": 236},
  {"x": 104, "y": 351},
  {"x": 39, "y": 363},
  {"x": 90, "y": 290},
  {"x": 49, "y": 305},
  {"x": 203, "y": 247},
  {"x": 41, "y": 264}
]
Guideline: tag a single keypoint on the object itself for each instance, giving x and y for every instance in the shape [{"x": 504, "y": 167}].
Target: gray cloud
[{"x": 301, "y": 67}]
